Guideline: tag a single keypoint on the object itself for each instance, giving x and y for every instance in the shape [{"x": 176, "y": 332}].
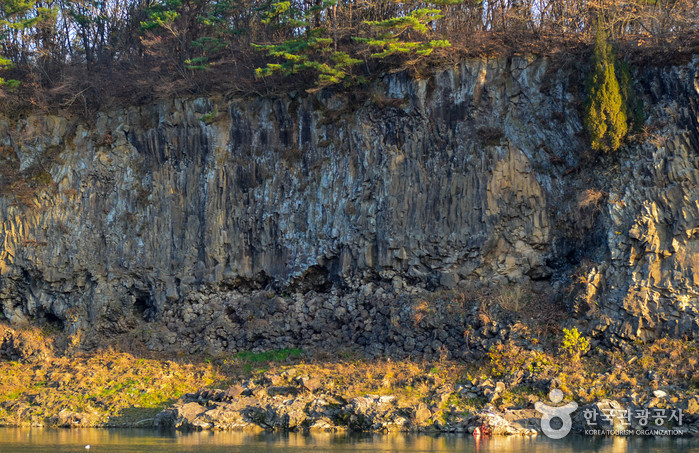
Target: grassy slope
[{"x": 112, "y": 388}]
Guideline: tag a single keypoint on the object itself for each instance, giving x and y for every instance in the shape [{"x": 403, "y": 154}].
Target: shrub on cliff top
[{"x": 605, "y": 115}]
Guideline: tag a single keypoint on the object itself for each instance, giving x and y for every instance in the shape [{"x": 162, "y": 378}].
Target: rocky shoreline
[
  {"x": 285, "y": 402},
  {"x": 49, "y": 381}
]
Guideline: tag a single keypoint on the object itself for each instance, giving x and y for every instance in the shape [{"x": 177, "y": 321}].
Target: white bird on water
[{"x": 87, "y": 447}]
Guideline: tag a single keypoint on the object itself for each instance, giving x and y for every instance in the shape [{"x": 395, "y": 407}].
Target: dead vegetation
[
  {"x": 591, "y": 199},
  {"x": 49, "y": 380},
  {"x": 106, "y": 387}
]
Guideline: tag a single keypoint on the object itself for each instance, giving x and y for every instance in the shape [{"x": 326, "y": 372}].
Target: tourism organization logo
[
  {"x": 607, "y": 419},
  {"x": 552, "y": 412}
]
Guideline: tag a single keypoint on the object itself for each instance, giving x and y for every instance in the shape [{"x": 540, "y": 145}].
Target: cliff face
[{"x": 478, "y": 175}]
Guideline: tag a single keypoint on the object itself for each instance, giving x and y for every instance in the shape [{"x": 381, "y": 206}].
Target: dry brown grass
[
  {"x": 107, "y": 386},
  {"x": 420, "y": 310},
  {"x": 114, "y": 387},
  {"x": 28, "y": 343},
  {"x": 676, "y": 359},
  {"x": 409, "y": 381},
  {"x": 591, "y": 198},
  {"x": 608, "y": 373},
  {"x": 513, "y": 298},
  {"x": 430, "y": 307}
]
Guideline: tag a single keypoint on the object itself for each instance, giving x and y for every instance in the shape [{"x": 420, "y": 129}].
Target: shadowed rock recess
[{"x": 323, "y": 220}]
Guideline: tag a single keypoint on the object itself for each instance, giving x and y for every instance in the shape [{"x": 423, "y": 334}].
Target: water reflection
[{"x": 66, "y": 440}]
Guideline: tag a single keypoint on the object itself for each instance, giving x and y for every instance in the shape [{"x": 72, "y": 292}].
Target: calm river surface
[{"x": 131, "y": 440}]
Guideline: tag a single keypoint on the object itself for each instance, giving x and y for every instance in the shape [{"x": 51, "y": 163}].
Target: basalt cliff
[{"x": 367, "y": 219}]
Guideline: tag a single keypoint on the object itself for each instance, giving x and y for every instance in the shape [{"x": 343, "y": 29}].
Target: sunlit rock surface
[{"x": 477, "y": 175}]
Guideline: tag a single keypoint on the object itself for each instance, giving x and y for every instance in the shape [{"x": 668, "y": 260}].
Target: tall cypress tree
[{"x": 605, "y": 111}]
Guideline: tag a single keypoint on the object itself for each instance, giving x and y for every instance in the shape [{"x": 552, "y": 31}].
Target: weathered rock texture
[
  {"x": 254, "y": 406},
  {"x": 288, "y": 405},
  {"x": 479, "y": 173}
]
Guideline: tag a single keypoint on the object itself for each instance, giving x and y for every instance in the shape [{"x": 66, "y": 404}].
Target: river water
[{"x": 132, "y": 440}]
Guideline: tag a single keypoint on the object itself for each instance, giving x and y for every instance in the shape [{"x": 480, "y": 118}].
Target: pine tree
[
  {"x": 393, "y": 32},
  {"x": 605, "y": 112},
  {"x": 216, "y": 30},
  {"x": 306, "y": 51},
  {"x": 19, "y": 19},
  {"x": 5, "y": 63}
]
